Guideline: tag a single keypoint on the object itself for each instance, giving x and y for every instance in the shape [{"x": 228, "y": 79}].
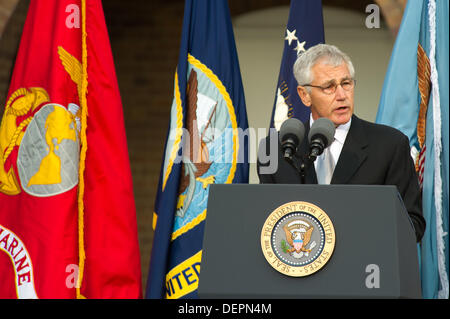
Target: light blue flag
[{"x": 415, "y": 101}]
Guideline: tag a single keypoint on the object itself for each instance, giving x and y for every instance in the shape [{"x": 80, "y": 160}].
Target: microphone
[
  {"x": 320, "y": 136},
  {"x": 292, "y": 132}
]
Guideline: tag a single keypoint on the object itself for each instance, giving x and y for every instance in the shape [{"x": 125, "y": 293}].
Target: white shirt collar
[{"x": 341, "y": 131}]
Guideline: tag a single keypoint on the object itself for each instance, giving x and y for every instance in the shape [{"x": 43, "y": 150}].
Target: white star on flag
[
  {"x": 290, "y": 36},
  {"x": 300, "y": 47}
]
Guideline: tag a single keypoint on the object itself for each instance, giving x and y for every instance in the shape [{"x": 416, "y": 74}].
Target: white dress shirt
[{"x": 339, "y": 138}]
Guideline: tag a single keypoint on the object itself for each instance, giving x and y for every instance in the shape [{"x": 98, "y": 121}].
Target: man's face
[{"x": 337, "y": 106}]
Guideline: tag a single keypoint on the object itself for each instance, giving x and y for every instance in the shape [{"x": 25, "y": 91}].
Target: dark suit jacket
[{"x": 372, "y": 154}]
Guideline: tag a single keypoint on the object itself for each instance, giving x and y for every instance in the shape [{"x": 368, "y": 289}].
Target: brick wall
[
  {"x": 145, "y": 40},
  {"x": 6, "y": 8},
  {"x": 10, "y": 32}
]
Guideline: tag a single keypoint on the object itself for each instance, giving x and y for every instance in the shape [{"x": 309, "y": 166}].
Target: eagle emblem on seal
[{"x": 298, "y": 237}]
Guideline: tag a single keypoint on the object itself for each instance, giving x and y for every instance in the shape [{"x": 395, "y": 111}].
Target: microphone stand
[
  {"x": 307, "y": 161},
  {"x": 303, "y": 173},
  {"x": 316, "y": 148}
]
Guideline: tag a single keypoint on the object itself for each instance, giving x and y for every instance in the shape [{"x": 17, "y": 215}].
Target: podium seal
[{"x": 298, "y": 239}]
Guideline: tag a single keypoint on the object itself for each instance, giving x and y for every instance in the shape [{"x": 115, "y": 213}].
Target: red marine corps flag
[{"x": 67, "y": 213}]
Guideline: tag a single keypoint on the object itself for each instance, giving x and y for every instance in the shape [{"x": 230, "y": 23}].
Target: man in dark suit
[{"x": 362, "y": 152}]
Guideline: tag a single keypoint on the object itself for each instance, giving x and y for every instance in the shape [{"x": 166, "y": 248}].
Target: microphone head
[
  {"x": 292, "y": 128},
  {"x": 322, "y": 127}
]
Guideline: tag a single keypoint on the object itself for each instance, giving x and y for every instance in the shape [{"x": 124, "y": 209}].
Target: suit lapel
[{"x": 353, "y": 153}]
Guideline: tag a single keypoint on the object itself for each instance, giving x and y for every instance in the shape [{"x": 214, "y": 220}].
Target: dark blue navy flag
[
  {"x": 202, "y": 147},
  {"x": 304, "y": 30}
]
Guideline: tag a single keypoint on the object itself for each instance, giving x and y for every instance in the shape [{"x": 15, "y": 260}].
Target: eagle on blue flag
[{"x": 203, "y": 146}]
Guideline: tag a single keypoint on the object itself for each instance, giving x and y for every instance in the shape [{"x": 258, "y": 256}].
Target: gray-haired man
[{"x": 362, "y": 152}]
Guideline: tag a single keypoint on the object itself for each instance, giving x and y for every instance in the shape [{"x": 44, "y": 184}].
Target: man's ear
[{"x": 304, "y": 95}]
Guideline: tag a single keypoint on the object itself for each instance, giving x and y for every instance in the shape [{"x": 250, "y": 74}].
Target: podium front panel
[{"x": 370, "y": 223}]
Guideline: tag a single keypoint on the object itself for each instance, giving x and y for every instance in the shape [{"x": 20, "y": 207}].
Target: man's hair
[{"x": 323, "y": 53}]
